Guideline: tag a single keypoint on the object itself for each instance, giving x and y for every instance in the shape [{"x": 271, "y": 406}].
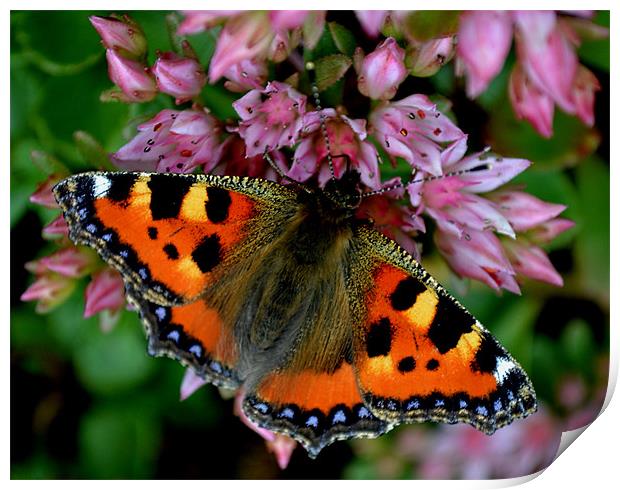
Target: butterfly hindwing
[{"x": 421, "y": 356}]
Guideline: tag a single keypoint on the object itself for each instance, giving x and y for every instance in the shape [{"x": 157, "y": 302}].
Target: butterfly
[{"x": 330, "y": 328}]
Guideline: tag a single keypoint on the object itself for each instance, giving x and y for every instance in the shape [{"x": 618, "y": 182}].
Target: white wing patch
[
  {"x": 502, "y": 368},
  {"x": 101, "y": 185}
]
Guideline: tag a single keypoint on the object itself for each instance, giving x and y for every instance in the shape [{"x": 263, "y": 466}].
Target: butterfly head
[{"x": 341, "y": 197}]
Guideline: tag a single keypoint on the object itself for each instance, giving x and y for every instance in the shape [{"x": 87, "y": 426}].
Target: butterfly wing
[
  {"x": 419, "y": 355},
  {"x": 172, "y": 236}
]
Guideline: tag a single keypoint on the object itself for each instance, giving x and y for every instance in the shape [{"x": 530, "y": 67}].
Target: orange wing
[
  {"x": 316, "y": 408},
  {"x": 421, "y": 356}
]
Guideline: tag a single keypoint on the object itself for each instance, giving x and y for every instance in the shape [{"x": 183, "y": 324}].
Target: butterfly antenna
[
  {"x": 319, "y": 108},
  {"x": 484, "y": 166}
]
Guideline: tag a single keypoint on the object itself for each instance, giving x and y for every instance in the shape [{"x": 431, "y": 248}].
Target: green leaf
[
  {"x": 592, "y": 247},
  {"x": 424, "y": 25},
  {"x": 330, "y": 69},
  {"x": 578, "y": 345},
  {"x": 343, "y": 38},
  {"x": 596, "y": 52},
  {"x": 92, "y": 152},
  {"x": 115, "y": 362},
  {"x": 119, "y": 441}
]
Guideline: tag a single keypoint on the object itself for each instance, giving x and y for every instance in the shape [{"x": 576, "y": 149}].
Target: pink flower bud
[
  {"x": 245, "y": 36},
  {"x": 190, "y": 384},
  {"x": 199, "y": 20},
  {"x": 49, "y": 290},
  {"x": 429, "y": 57},
  {"x": 282, "y": 448},
  {"x": 523, "y": 210},
  {"x": 484, "y": 40},
  {"x": 123, "y": 35},
  {"x": 531, "y": 261},
  {"x": 287, "y": 19},
  {"x": 57, "y": 227},
  {"x": 382, "y": 71},
  {"x": 547, "y": 231},
  {"x": 530, "y": 103},
  {"x": 180, "y": 77},
  {"x": 584, "y": 87},
  {"x": 70, "y": 262},
  {"x": 132, "y": 77},
  {"x": 106, "y": 291},
  {"x": 246, "y": 75},
  {"x": 371, "y": 21},
  {"x": 43, "y": 194}
]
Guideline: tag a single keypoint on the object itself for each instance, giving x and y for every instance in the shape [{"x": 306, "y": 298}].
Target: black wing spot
[
  {"x": 405, "y": 294},
  {"x": 167, "y": 195},
  {"x": 208, "y": 253},
  {"x": 152, "y": 232},
  {"x": 449, "y": 324},
  {"x": 379, "y": 338},
  {"x": 406, "y": 364},
  {"x": 485, "y": 360},
  {"x": 218, "y": 204},
  {"x": 432, "y": 364},
  {"x": 120, "y": 186},
  {"x": 171, "y": 251}
]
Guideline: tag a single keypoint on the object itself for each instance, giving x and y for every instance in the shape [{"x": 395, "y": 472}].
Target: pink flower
[
  {"x": 413, "y": 128},
  {"x": 526, "y": 212},
  {"x": 196, "y": 21},
  {"x": 546, "y": 55},
  {"x": 287, "y": 19},
  {"x": 582, "y": 94},
  {"x": 530, "y": 103},
  {"x": 479, "y": 255},
  {"x": 180, "y": 77},
  {"x": 282, "y": 446},
  {"x": 460, "y": 451},
  {"x": 547, "y": 231},
  {"x": 484, "y": 40},
  {"x": 235, "y": 162},
  {"x": 122, "y": 34},
  {"x": 173, "y": 141},
  {"x": 427, "y": 58},
  {"x": 106, "y": 291},
  {"x": 132, "y": 77},
  {"x": 57, "y": 227},
  {"x": 371, "y": 20},
  {"x": 70, "y": 262},
  {"x": 246, "y": 75},
  {"x": 245, "y": 36},
  {"x": 382, "y": 71},
  {"x": 347, "y": 142},
  {"x": 270, "y": 118},
  {"x": 392, "y": 218},
  {"x": 43, "y": 194},
  {"x": 49, "y": 290},
  {"x": 190, "y": 384}
]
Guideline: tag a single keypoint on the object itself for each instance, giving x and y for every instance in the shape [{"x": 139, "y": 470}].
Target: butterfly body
[{"x": 331, "y": 330}]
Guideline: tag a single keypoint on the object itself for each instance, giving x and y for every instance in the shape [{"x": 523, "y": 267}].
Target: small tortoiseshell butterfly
[{"x": 330, "y": 328}]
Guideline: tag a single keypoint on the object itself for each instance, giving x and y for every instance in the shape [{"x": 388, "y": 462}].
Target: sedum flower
[
  {"x": 347, "y": 141},
  {"x": 57, "y": 227},
  {"x": 70, "y": 262},
  {"x": 413, "y": 129},
  {"x": 371, "y": 21},
  {"x": 426, "y": 59},
  {"x": 484, "y": 39},
  {"x": 106, "y": 291},
  {"x": 43, "y": 195},
  {"x": 547, "y": 71},
  {"x": 530, "y": 103},
  {"x": 246, "y": 75},
  {"x": 121, "y": 34},
  {"x": 195, "y": 21},
  {"x": 235, "y": 162},
  {"x": 178, "y": 76},
  {"x": 270, "y": 118},
  {"x": 132, "y": 77},
  {"x": 49, "y": 291},
  {"x": 173, "y": 141},
  {"x": 382, "y": 71}
]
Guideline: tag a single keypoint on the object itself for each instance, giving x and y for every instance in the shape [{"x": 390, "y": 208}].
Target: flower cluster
[
  {"x": 485, "y": 230},
  {"x": 58, "y": 274}
]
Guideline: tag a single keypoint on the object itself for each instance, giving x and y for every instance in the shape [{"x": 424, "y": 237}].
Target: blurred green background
[{"x": 86, "y": 404}]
